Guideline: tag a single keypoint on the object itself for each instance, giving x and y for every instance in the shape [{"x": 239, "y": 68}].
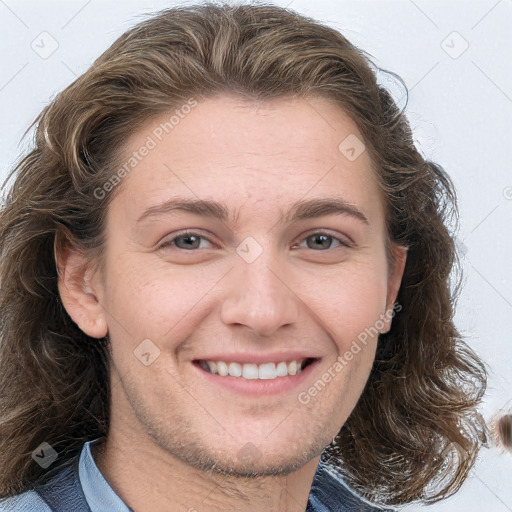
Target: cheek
[
  {"x": 149, "y": 299},
  {"x": 347, "y": 302}
]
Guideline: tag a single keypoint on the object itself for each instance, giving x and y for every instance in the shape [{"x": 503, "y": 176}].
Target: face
[{"x": 266, "y": 283}]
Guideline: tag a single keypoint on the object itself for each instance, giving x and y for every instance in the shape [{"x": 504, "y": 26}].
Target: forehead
[{"x": 267, "y": 154}]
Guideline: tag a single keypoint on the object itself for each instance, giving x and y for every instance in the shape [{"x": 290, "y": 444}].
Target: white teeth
[
  {"x": 265, "y": 371},
  {"x": 250, "y": 371},
  {"x": 235, "y": 370},
  {"x": 281, "y": 369},
  {"x": 222, "y": 368}
]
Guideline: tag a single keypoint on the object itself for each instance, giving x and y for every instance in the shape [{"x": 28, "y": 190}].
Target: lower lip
[{"x": 258, "y": 387}]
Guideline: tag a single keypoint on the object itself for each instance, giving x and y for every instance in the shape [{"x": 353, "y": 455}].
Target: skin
[{"x": 172, "y": 437}]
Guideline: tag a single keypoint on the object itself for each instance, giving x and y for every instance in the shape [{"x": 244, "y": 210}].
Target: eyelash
[{"x": 183, "y": 234}]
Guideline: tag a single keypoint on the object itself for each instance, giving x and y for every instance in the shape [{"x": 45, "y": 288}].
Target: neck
[{"x": 154, "y": 480}]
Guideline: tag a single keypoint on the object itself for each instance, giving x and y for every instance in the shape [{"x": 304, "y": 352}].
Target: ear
[
  {"x": 396, "y": 271},
  {"x": 79, "y": 286}
]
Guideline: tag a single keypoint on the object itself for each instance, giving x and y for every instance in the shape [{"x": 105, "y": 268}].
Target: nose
[{"x": 259, "y": 297}]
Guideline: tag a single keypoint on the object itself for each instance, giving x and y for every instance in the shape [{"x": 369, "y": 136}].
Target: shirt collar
[
  {"x": 328, "y": 492},
  {"x": 100, "y": 496}
]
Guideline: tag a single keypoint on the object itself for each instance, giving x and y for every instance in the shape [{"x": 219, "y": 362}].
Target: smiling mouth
[{"x": 251, "y": 371}]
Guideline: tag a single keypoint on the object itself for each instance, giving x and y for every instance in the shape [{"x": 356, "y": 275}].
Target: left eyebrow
[
  {"x": 301, "y": 210},
  {"x": 312, "y": 208}
]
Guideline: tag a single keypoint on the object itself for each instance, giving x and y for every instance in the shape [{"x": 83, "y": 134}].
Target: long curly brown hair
[{"x": 418, "y": 409}]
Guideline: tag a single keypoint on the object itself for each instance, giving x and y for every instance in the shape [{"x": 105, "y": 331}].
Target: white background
[{"x": 460, "y": 108}]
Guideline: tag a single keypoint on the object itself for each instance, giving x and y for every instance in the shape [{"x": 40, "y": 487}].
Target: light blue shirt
[
  {"x": 100, "y": 496},
  {"x": 328, "y": 493}
]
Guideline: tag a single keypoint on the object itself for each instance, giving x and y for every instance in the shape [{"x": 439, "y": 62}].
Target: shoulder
[
  {"x": 28, "y": 501},
  {"x": 331, "y": 493},
  {"x": 32, "y": 500}
]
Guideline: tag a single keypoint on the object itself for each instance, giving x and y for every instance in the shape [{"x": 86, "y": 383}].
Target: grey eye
[
  {"x": 191, "y": 241},
  {"x": 324, "y": 241}
]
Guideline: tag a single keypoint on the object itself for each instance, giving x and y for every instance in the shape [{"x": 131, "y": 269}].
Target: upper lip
[{"x": 258, "y": 358}]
